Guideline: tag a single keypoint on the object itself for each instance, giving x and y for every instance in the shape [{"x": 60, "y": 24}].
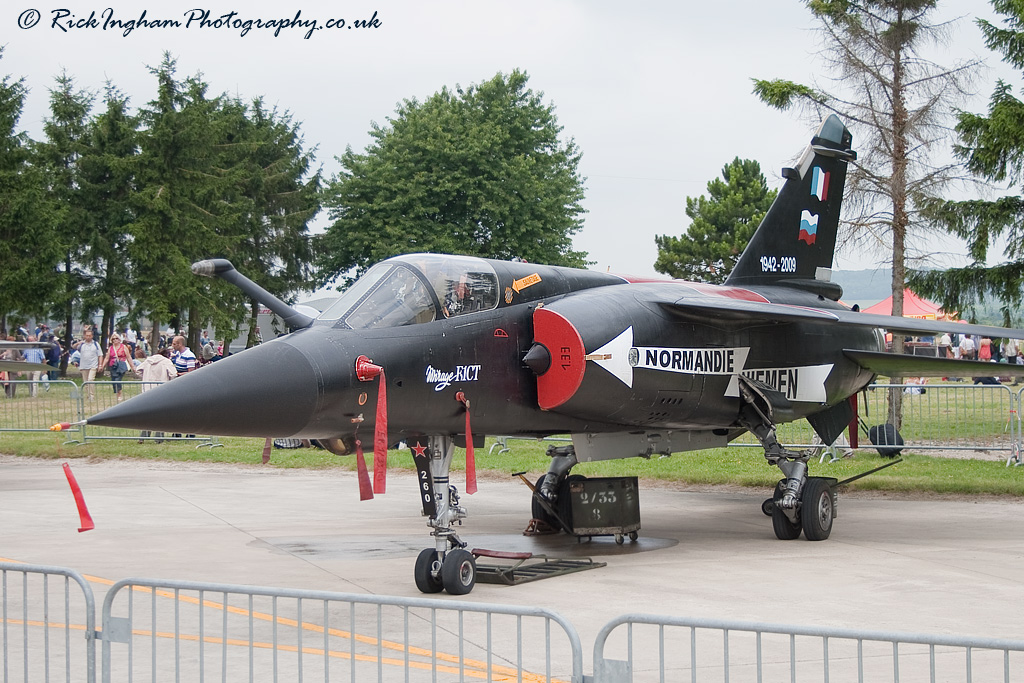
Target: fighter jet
[{"x": 439, "y": 350}]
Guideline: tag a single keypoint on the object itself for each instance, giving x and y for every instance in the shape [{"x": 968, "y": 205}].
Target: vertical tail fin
[{"x": 796, "y": 241}]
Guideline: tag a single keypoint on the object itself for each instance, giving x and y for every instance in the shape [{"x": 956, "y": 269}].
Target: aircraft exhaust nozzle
[{"x": 271, "y": 390}]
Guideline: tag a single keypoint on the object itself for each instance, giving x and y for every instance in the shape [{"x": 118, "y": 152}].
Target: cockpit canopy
[{"x": 413, "y": 289}]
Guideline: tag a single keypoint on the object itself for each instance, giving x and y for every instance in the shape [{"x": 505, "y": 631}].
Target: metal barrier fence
[
  {"x": 100, "y": 395},
  {"x": 681, "y": 649},
  {"x": 944, "y": 417},
  {"x": 48, "y": 623},
  {"x": 231, "y": 632},
  {"x": 66, "y": 401},
  {"x": 55, "y": 401},
  {"x": 194, "y": 631}
]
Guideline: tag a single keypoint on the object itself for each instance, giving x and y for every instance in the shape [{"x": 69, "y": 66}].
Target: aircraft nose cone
[{"x": 271, "y": 390}]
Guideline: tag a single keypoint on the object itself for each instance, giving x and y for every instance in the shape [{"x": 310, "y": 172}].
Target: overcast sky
[{"x": 657, "y": 95}]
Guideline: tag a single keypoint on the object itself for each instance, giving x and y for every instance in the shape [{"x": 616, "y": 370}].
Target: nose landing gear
[{"x": 448, "y": 565}]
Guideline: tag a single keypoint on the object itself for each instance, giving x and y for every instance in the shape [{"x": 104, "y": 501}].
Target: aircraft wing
[
  {"x": 22, "y": 366},
  {"x": 704, "y": 308},
  {"x": 892, "y": 364}
]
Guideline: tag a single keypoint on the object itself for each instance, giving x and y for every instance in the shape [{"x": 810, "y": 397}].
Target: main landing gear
[
  {"x": 800, "y": 503},
  {"x": 448, "y": 565}
]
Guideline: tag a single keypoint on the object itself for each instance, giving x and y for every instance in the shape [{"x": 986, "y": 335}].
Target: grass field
[{"x": 954, "y": 415}]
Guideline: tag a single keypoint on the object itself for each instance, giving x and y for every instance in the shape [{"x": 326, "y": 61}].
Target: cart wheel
[
  {"x": 633, "y": 536},
  {"x": 619, "y": 539}
]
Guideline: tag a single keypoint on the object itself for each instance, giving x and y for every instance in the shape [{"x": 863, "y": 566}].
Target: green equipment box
[{"x": 605, "y": 506}]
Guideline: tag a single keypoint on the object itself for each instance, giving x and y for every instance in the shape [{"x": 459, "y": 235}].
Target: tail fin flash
[{"x": 796, "y": 241}]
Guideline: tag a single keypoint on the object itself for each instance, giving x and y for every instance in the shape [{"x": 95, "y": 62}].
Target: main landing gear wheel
[
  {"x": 785, "y": 529},
  {"x": 538, "y": 511},
  {"x": 458, "y": 572},
  {"x": 817, "y": 512},
  {"x": 426, "y": 581}
]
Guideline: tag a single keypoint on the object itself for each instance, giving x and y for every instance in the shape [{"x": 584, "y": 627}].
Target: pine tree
[
  {"x": 107, "y": 180},
  {"x": 721, "y": 225},
  {"x": 29, "y": 250},
  {"x": 992, "y": 146},
  {"x": 178, "y": 204}
]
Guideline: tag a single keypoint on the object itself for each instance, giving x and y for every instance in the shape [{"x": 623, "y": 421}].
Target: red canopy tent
[{"x": 913, "y": 307}]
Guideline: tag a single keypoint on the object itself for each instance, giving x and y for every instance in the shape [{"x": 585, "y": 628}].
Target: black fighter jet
[{"x": 440, "y": 350}]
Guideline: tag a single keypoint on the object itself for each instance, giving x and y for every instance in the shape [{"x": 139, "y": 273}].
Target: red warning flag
[
  {"x": 366, "y": 371},
  {"x": 83, "y": 511},
  {"x": 470, "y": 459},
  {"x": 365, "y": 489}
]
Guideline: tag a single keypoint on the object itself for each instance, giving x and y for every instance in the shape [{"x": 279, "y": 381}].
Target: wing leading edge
[
  {"x": 891, "y": 364},
  {"x": 754, "y": 312}
]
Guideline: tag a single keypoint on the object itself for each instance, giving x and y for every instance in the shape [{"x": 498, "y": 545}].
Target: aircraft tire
[
  {"x": 785, "y": 530},
  {"x": 425, "y": 581},
  {"x": 538, "y": 511},
  {"x": 817, "y": 511},
  {"x": 458, "y": 572}
]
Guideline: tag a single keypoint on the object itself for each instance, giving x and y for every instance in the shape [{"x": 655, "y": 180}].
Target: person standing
[
  {"x": 153, "y": 370},
  {"x": 35, "y": 355},
  {"x": 53, "y": 354},
  {"x": 945, "y": 346},
  {"x": 182, "y": 357},
  {"x": 184, "y": 362},
  {"x": 985, "y": 349},
  {"x": 8, "y": 377},
  {"x": 89, "y": 354},
  {"x": 131, "y": 339},
  {"x": 118, "y": 361},
  {"x": 968, "y": 351}
]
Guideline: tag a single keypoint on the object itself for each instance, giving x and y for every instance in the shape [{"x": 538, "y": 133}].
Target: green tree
[
  {"x": 477, "y": 171},
  {"x": 992, "y": 147},
  {"x": 897, "y": 102},
  {"x": 178, "y": 204},
  {"x": 722, "y": 224},
  {"x": 66, "y": 131},
  {"x": 29, "y": 251},
  {"x": 273, "y": 195},
  {"x": 107, "y": 180}
]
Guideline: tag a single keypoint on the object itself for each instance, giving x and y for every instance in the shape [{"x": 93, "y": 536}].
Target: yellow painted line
[
  {"x": 236, "y": 642},
  {"x": 468, "y": 664}
]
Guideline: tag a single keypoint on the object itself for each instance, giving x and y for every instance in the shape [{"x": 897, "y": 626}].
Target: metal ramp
[{"x": 526, "y": 567}]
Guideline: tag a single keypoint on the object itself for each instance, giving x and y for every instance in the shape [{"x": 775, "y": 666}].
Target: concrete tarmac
[{"x": 931, "y": 565}]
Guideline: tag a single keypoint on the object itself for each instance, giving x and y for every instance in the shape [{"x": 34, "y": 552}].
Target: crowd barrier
[
  {"x": 658, "y": 648},
  {"x": 936, "y": 417},
  {"x": 34, "y": 406},
  {"x": 183, "y": 630}
]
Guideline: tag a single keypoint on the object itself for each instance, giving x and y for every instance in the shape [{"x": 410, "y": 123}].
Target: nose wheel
[{"x": 455, "y": 573}]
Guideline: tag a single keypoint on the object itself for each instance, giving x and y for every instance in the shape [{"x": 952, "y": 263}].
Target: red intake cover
[{"x": 563, "y": 342}]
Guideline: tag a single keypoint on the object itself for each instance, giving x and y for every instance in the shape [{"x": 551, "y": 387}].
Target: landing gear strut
[
  {"x": 799, "y": 503},
  {"x": 448, "y": 565}
]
